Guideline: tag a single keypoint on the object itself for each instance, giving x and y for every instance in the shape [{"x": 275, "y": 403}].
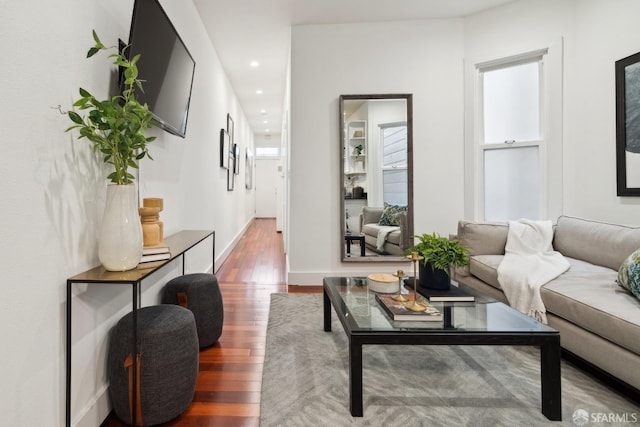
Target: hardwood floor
[{"x": 228, "y": 386}]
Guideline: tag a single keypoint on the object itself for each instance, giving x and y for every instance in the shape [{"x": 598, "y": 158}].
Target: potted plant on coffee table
[
  {"x": 116, "y": 129},
  {"x": 439, "y": 255}
]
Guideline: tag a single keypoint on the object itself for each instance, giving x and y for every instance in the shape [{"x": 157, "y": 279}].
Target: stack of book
[
  {"x": 398, "y": 312},
  {"x": 453, "y": 294},
  {"x": 155, "y": 253}
]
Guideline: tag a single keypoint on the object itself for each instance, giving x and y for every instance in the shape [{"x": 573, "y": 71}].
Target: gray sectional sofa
[{"x": 598, "y": 320}]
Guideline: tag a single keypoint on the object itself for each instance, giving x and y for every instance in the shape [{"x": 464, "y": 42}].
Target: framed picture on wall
[
  {"x": 231, "y": 180},
  {"x": 628, "y": 125},
  {"x": 230, "y": 128},
  {"x": 236, "y": 158},
  {"x": 248, "y": 169},
  {"x": 224, "y": 149},
  {"x": 231, "y": 174}
]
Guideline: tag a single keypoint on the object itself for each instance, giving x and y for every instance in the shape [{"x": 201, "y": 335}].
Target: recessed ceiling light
[
  {"x": 259, "y": 91},
  {"x": 266, "y": 130},
  {"x": 263, "y": 112},
  {"x": 254, "y": 64},
  {"x": 265, "y": 122}
]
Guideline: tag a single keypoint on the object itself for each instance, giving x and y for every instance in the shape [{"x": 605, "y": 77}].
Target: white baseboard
[
  {"x": 229, "y": 248},
  {"x": 96, "y": 411}
]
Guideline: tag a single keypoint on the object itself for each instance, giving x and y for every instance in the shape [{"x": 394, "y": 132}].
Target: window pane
[
  {"x": 394, "y": 165},
  {"x": 511, "y": 103},
  {"x": 394, "y": 183},
  {"x": 268, "y": 152},
  {"x": 511, "y": 184},
  {"x": 394, "y": 146}
]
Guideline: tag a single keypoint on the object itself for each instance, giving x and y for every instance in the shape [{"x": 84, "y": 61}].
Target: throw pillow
[
  {"x": 629, "y": 274},
  {"x": 390, "y": 214}
]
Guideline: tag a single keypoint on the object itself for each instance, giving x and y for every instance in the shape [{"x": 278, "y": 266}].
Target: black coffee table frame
[{"x": 548, "y": 341}]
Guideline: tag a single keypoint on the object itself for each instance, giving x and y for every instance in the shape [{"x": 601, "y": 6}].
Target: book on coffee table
[
  {"x": 453, "y": 294},
  {"x": 397, "y": 311}
]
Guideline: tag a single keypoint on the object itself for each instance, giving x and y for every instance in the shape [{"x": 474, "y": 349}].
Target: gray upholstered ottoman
[
  {"x": 200, "y": 293},
  {"x": 167, "y": 364}
]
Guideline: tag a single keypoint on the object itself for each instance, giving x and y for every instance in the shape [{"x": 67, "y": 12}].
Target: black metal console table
[{"x": 179, "y": 244}]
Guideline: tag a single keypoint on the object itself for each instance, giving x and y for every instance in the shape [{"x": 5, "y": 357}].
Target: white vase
[{"x": 120, "y": 242}]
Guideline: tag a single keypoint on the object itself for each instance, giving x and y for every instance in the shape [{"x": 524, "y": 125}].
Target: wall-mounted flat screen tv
[{"x": 165, "y": 66}]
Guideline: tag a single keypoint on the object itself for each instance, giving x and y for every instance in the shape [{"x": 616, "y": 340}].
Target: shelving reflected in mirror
[{"x": 376, "y": 209}]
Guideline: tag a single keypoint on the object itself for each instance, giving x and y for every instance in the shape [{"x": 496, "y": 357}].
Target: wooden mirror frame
[{"x": 408, "y": 98}]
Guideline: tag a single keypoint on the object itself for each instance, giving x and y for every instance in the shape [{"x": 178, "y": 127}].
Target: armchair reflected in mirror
[{"x": 376, "y": 137}]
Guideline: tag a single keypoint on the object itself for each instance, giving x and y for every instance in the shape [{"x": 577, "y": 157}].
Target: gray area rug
[{"x": 305, "y": 381}]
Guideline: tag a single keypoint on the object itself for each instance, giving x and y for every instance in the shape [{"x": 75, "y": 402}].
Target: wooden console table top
[{"x": 179, "y": 243}]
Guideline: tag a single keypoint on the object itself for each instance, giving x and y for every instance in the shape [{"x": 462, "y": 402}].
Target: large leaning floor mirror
[{"x": 376, "y": 209}]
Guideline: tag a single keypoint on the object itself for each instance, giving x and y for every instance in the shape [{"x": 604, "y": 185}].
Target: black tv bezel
[{"x": 161, "y": 123}]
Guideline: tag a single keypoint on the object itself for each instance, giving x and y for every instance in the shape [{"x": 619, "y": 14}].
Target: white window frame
[
  {"x": 549, "y": 145},
  {"x": 540, "y": 143}
]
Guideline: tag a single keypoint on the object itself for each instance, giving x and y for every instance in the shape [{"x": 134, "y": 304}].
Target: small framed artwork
[
  {"x": 230, "y": 180},
  {"x": 248, "y": 169},
  {"x": 230, "y": 128},
  {"x": 236, "y": 157},
  {"x": 224, "y": 149},
  {"x": 231, "y": 175},
  {"x": 628, "y": 125}
]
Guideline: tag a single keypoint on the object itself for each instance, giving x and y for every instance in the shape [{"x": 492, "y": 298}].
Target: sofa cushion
[
  {"x": 587, "y": 295},
  {"x": 483, "y": 238},
  {"x": 394, "y": 237},
  {"x": 372, "y": 230},
  {"x": 485, "y": 268},
  {"x": 629, "y": 274},
  {"x": 391, "y": 214},
  {"x": 371, "y": 215},
  {"x": 599, "y": 243}
]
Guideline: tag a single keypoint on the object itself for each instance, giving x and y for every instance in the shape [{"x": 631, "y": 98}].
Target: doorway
[{"x": 267, "y": 187}]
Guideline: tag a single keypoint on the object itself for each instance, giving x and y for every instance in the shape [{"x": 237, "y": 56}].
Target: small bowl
[{"x": 383, "y": 283}]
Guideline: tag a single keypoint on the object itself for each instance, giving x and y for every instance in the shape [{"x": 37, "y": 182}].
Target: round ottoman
[
  {"x": 200, "y": 293},
  {"x": 167, "y": 351}
]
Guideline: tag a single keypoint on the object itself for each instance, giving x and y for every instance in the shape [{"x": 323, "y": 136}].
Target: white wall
[
  {"x": 596, "y": 33},
  {"x": 53, "y": 194},
  {"x": 419, "y": 57},
  {"x": 425, "y": 58}
]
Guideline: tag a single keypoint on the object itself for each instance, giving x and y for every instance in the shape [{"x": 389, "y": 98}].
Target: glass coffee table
[{"x": 482, "y": 322}]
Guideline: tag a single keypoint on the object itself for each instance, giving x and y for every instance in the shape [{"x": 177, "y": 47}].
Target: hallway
[
  {"x": 257, "y": 258},
  {"x": 230, "y": 372}
]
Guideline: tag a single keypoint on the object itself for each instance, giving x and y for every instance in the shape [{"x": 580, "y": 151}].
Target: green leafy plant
[
  {"x": 116, "y": 126},
  {"x": 440, "y": 252},
  {"x": 358, "y": 148}
]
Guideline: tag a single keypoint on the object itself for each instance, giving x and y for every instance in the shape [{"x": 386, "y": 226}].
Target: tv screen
[{"x": 165, "y": 66}]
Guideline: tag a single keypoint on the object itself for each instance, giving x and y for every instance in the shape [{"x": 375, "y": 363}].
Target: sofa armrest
[
  {"x": 406, "y": 240},
  {"x": 483, "y": 238}
]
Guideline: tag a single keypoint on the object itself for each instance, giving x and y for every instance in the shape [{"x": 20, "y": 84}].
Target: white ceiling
[{"x": 258, "y": 30}]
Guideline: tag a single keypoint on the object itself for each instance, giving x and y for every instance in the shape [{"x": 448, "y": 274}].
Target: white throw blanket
[
  {"x": 529, "y": 262},
  {"x": 383, "y": 232}
]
